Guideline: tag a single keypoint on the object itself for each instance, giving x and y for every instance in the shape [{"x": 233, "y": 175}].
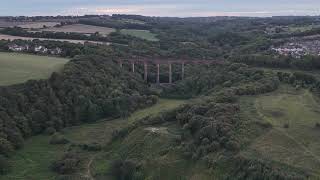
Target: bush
[
  {"x": 257, "y": 169},
  {"x": 68, "y": 164},
  {"x": 124, "y": 169},
  {"x": 91, "y": 147},
  {"x": 5, "y": 147},
  {"x": 50, "y": 131},
  {"x": 232, "y": 145},
  {"x": 4, "y": 165},
  {"x": 58, "y": 138}
]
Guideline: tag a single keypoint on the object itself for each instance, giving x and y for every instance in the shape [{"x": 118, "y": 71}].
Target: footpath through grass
[
  {"x": 18, "y": 68},
  {"x": 33, "y": 161},
  {"x": 294, "y": 137}
]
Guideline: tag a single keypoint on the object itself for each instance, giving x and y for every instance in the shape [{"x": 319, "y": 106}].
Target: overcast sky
[{"x": 180, "y": 8}]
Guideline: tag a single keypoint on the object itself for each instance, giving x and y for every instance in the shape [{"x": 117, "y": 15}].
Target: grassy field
[
  {"x": 26, "y": 25},
  {"x": 154, "y": 150},
  {"x": 81, "y": 28},
  {"x": 100, "y": 132},
  {"x": 17, "y": 68},
  {"x": 144, "y": 34},
  {"x": 294, "y": 29},
  {"x": 297, "y": 144},
  {"x": 33, "y": 161},
  {"x": 37, "y": 25}
]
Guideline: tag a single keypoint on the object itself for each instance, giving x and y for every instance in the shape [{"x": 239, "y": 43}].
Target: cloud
[
  {"x": 181, "y": 8},
  {"x": 180, "y": 11}
]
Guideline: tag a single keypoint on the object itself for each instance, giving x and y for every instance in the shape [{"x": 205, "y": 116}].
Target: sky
[{"x": 177, "y": 8}]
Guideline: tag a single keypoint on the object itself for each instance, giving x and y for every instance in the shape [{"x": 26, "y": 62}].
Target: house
[
  {"x": 40, "y": 49},
  {"x": 17, "y": 48},
  {"x": 55, "y": 51}
]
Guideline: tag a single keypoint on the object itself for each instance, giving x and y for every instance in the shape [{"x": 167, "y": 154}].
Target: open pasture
[
  {"x": 293, "y": 139},
  {"x": 143, "y": 34},
  {"x": 18, "y": 68},
  {"x": 27, "y": 25},
  {"x": 81, "y": 28},
  {"x": 38, "y": 25}
]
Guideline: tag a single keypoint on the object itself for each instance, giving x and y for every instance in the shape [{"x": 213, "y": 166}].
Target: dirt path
[
  {"x": 88, "y": 172},
  {"x": 281, "y": 131}
]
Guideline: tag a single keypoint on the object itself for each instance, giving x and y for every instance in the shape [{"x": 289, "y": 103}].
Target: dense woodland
[
  {"x": 92, "y": 86},
  {"x": 211, "y": 125},
  {"x": 88, "y": 89}
]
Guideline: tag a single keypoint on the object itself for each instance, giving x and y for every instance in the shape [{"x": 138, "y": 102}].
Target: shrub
[
  {"x": 68, "y": 164},
  {"x": 4, "y": 165},
  {"x": 50, "y": 131},
  {"x": 5, "y": 147},
  {"x": 91, "y": 147},
  {"x": 232, "y": 145},
  {"x": 58, "y": 138},
  {"x": 124, "y": 169}
]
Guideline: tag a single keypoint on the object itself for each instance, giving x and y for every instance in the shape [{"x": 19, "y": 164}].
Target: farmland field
[
  {"x": 9, "y": 37},
  {"x": 38, "y": 25},
  {"x": 18, "y": 68},
  {"x": 143, "y": 34},
  {"x": 81, "y": 28},
  {"x": 293, "y": 139},
  {"x": 27, "y": 25},
  {"x": 293, "y": 29}
]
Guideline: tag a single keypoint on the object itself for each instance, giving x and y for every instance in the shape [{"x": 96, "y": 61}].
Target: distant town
[{"x": 299, "y": 47}]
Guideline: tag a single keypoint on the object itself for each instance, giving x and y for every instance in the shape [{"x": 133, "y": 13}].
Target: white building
[
  {"x": 17, "y": 48},
  {"x": 41, "y": 49}
]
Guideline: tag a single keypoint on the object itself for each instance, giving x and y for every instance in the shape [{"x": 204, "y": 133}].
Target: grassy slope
[
  {"x": 18, "y": 68},
  {"x": 297, "y": 145},
  {"x": 154, "y": 151},
  {"x": 144, "y": 34},
  {"x": 33, "y": 161}
]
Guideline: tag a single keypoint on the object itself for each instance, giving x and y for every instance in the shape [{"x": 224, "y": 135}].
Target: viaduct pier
[{"x": 170, "y": 63}]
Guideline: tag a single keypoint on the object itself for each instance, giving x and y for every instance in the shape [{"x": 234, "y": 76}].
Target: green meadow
[
  {"x": 18, "y": 68},
  {"x": 143, "y": 34},
  {"x": 34, "y": 159},
  {"x": 293, "y": 138}
]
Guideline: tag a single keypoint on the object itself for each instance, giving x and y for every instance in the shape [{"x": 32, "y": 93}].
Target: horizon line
[{"x": 239, "y": 16}]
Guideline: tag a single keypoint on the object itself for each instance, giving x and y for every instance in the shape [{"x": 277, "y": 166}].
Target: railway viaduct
[{"x": 169, "y": 62}]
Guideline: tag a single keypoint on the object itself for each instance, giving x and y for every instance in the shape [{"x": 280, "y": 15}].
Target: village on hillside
[
  {"x": 35, "y": 49},
  {"x": 299, "y": 47}
]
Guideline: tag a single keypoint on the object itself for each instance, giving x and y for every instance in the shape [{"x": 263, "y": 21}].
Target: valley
[
  {"x": 131, "y": 97},
  {"x": 34, "y": 160}
]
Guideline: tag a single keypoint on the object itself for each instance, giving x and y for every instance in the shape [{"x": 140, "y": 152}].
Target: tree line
[
  {"x": 89, "y": 88},
  {"x": 212, "y": 124}
]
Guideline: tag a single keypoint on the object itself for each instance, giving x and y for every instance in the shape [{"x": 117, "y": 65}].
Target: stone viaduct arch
[{"x": 169, "y": 62}]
